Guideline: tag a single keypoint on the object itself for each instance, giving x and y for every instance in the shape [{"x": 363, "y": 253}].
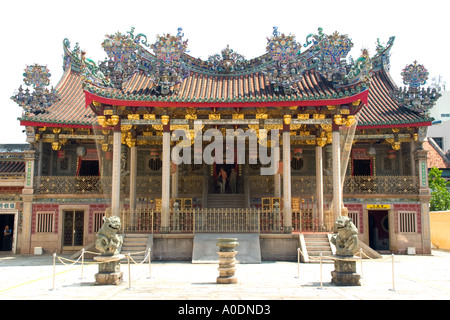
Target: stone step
[
  {"x": 326, "y": 255},
  {"x": 315, "y": 235},
  {"x": 316, "y": 240},
  {"x": 317, "y": 243},
  {"x": 325, "y": 251},
  {"x": 136, "y": 236},
  {"x": 318, "y": 248},
  {"x": 135, "y": 245},
  {"x": 232, "y": 203},
  {"x": 131, "y": 247},
  {"x": 134, "y": 241}
]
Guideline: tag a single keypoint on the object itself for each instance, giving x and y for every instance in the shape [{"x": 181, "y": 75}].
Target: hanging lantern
[
  {"x": 392, "y": 154},
  {"x": 56, "y": 145},
  {"x": 81, "y": 151},
  {"x": 298, "y": 153},
  {"x": 105, "y": 147},
  {"x": 154, "y": 153}
]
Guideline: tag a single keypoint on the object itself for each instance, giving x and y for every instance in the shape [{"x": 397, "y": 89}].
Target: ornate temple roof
[
  {"x": 70, "y": 110},
  {"x": 12, "y": 159},
  {"x": 12, "y": 167},
  {"x": 383, "y": 110},
  {"x": 318, "y": 76},
  {"x": 241, "y": 91}
]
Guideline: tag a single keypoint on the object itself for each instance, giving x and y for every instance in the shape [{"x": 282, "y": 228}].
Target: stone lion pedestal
[
  {"x": 109, "y": 270},
  {"x": 344, "y": 273},
  {"x": 226, "y": 260},
  {"x": 345, "y": 238},
  {"x": 108, "y": 243}
]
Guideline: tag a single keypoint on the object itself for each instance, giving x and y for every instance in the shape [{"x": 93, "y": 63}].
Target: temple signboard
[{"x": 378, "y": 206}]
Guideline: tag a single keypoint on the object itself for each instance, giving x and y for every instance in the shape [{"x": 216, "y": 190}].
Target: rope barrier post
[
  {"x": 321, "y": 282},
  {"x": 149, "y": 264},
  {"x": 129, "y": 271},
  {"x": 361, "y": 257},
  {"x": 54, "y": 273},
  {"x": 393, "y": 283},
  {"x": 82, "y": 264}
]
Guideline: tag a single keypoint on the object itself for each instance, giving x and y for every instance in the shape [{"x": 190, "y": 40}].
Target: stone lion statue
[
  {"x": 108, "y": 241},
  {"x": 345, "y": 237}
]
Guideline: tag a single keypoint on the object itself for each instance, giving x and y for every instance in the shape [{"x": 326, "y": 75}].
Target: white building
[{"x": 440, "y": 130}]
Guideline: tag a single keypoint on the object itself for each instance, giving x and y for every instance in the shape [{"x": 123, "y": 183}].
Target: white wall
[
  {"x": 441, "y": 130},
  {"x": 442, "y": 106}
]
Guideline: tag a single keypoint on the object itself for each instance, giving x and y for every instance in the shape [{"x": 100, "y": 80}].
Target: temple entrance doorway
[
  {"x": 6, "y": 242},
  {"x": 379, "y": 229},
  {"x": 362, "y": 167},
  {"x": 89, "y": 168},
  {"x": 73, "y": 229},
  {"x": 230, "y": 186},
  {"x": 233, "y": 195}
]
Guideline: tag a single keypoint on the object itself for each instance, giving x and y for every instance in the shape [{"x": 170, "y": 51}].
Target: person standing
[
  {"x": 7, "y": 238},
  {"x": 222, "y": 180},
  {"x": 233, "y": 178}
]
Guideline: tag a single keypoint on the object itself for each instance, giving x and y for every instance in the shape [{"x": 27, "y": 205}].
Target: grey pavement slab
[{"x": 28, "y": 277}]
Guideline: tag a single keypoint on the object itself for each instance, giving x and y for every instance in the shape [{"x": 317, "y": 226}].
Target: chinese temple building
[
  {"x": 304, "y": 134},
  {"x": 12, "y": 180}
]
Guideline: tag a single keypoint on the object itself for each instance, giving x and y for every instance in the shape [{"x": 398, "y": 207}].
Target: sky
[{"x": 33, "y": 32}]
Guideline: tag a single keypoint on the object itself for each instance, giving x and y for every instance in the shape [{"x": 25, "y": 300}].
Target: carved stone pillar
[
  {"x": 165, "y": 192},
  {"x": 277, "y": 185},
  {"x": 116, "y": 172},
  {"x": 27, "y": 197},
  {"x": 421, "y": 159},
  {"x": 277, "y": 177},
  {"x": 424, "y": 197},
  {"x": 319, "y": 185},
  {"x": 413, "y": 164},
  {"x": 287, "y": 208},
  {"x": 175, "y": 181},
  {"x": 337, "y": 185},
  {"x": 133, "y": 177}
]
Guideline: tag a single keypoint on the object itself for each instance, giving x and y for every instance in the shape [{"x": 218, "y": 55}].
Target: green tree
[{"x": 440, "y": 196}]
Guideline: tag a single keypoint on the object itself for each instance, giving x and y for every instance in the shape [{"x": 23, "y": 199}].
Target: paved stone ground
[{"x": 29, "y": 277}]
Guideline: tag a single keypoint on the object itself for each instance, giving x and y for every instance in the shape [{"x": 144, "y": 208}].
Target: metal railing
[
  {"x": 143, "y": 220},
  {"x": 260, "y": 185},
  {"x": 222, "y": 220},
  {"x": 381, "y": 184},
  {"x": 226, "y": 220},
  {"x": 70, "y": 184}
]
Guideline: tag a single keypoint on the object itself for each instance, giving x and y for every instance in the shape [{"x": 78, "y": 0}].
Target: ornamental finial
[
  {"x": 41, "y": 98},
  {"x": 414, "y": 98},
  {"x": 415, "y": 75},
  {"x": 275, "y": 31},
  {"x": 180, "y": 33}
]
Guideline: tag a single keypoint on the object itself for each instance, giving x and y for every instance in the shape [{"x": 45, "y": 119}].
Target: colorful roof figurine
[
  {"x": 141, "y": 74},
  {"x": 168, "y": 70},
  {"x": 282, "y": 76},
  {"x": 41, "y": 98},
  {"x": 413, "y": 98},
  {"x": 286, "y": 69},
  {"x": 383, "y": 108}
]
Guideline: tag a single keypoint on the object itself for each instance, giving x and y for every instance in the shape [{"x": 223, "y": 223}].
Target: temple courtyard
[{"x": 410, "y": 277}]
